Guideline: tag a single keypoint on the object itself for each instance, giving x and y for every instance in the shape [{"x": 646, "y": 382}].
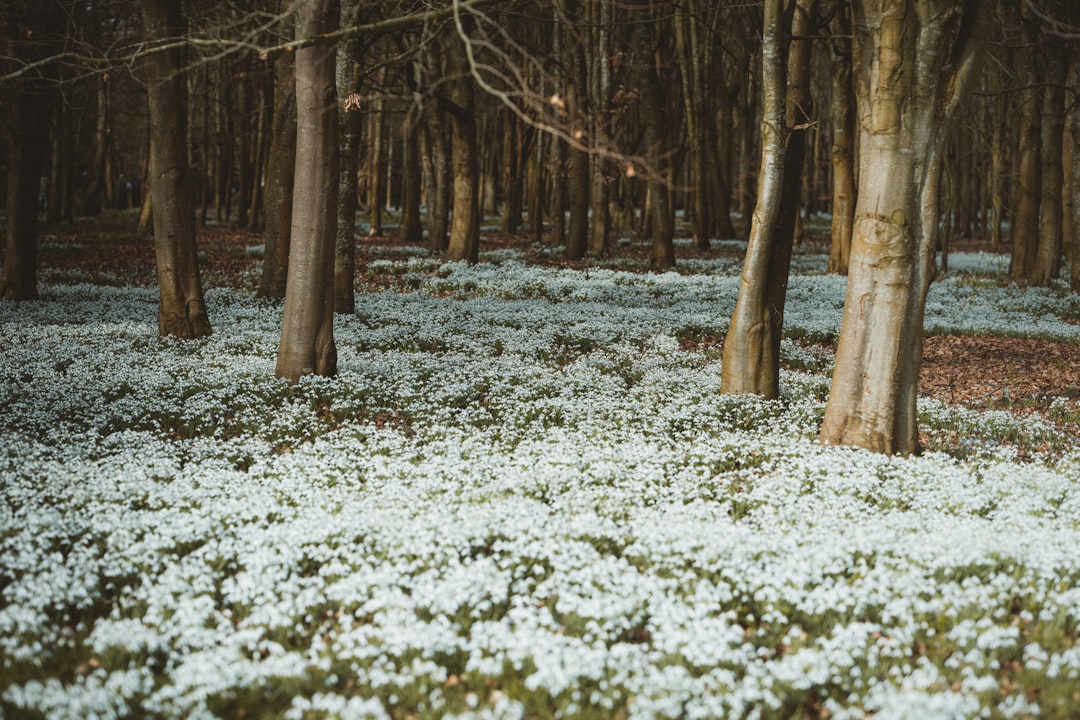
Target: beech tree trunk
[
  {"x": 351, "y": 122},
  {"x": 579, "y": 184},
  {"x": 29, "y": 31},
  {"x": 751, "y": 355},
  {"x": 412, "y": 230},
  {"x": 842, "y": 110},
  {"x": 182, "y": 309},
  {"x": 1025, "y": 225},
  {"x": 916, "y": 62},
  {"x": 307, "y": 329},
  {"x": 461, "y": 104},
  {"x": 1047, "y": 261},
  {"x": 279, "y": 182},
  {"x": 1074, "y": 201}
]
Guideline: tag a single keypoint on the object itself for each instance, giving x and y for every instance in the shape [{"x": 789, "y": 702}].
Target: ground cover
[{"x": 523, "y": 497}]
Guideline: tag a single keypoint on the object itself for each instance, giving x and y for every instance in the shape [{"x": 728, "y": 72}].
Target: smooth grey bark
[
  {"x": 307, "y": 329},
  {"x": 181, "y": 309},
  {"x": 916, "y": 63}
]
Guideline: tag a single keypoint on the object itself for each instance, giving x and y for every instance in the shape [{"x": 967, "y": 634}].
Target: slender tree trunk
[
  {"x": 535, "y": 172},
  {"x": 599, "y": 54},
  {"x": 908, "y": 99},
  {"x": 842, "y": 110},
  {"x": 307, "y": 328},
  {"x": 376, "y": 157},
  {"x": 751, "y": 355},
  {"x": 997, "y": 175},
  {"x": 351, "y": 123},
  {"x": 579, "y": 184},
  {"x": 182, "y": 309},
  {"x": 279, "y": 182},
  {"x": 412, "y": 230}
]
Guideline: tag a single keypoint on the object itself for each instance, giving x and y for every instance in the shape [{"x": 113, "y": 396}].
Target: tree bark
[
  {"x": 1047, "y": 261},
  {"x": 464, "y": 241},
  {"x": 279, "y": 182},
  {"x": 412, "y": 230},
  {"x": 307, "y": 329},
  {"x": 579, "y": 184},
  {"x": 751, "y": 354},
  {"x": 29, "y": 32},
  {"x": 351, "y": 121},
  {"x": 842, "y": 110},
  {"x": 916, "y": 62},
  {"x": 182, "y": 309},
  {"x": 1074, "y": 201},
  {"x": 1025, "y": 226}
]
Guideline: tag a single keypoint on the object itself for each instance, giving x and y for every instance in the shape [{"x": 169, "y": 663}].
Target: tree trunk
[
  {"x": 182, "y": 309},
  {"x": 1074, "y": 201},
  {"x": 751, "y": 355},
  {"x": 29, "y": 109},
  {"x": 279, "y": 182},
  {"x": 375, "y": 156},
  {"x": 916, "y": 61},
  {"x": 1025, "y": 225},
  {"x": 412, "y": 230},
  {"x": 465, "y": 225},
  {"x": 307, "y": 328},
  {"x": 599, "y": 52},
  {"x": 535, "y": 173},
  {"x": 579, "y": 184},
  {"x": 842, "y": 110},
  {"x": 442, "y": 179},
  {"x": 1047, "y": 261},
  {"x": 351, "y": 120}
]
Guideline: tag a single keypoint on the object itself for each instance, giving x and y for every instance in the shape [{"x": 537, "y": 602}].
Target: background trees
[{"x": 575, "y": 119}]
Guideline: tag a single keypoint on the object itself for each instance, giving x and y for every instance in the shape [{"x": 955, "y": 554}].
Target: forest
[{"x": 539, "y": 358}]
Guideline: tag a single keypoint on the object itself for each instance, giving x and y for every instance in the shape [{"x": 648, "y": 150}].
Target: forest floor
[{"x": 1020, "y": 375}]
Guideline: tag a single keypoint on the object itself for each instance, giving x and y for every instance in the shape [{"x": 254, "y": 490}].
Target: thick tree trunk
[
  {"x": 465, "y": 225},
  {"x": 279, "y": 182},
  {"x": 1047, "y": 262},
  {"x": 307, "y": 329},
  {"x": 908, "y": 99},
  {"x": 751, "y": 355},
  {"x": 28, "y": 30},
  {"x": 1025, "y": 226},
  {"x": 28, "y": 109},
  {"x": 182, "y": 309},
  {"x": 442, "y": 180},
  {"x": 1074, "y": 201},
  {"x": 842, "y": 110}
]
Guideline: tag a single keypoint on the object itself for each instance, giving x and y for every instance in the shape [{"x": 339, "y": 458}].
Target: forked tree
[
  {"x": 307, "y": 329},
  {"x": 915, "y": 64},
  {"x": 181, "y": 309}
]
